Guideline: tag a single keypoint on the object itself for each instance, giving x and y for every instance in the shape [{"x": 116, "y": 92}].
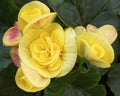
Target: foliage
[{"x": 87, "y": 82}]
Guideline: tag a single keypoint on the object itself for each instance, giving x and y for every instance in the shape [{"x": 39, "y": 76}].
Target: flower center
[
  {"x": 44, "y": 50},
  {"x": 98, "y": 50}
]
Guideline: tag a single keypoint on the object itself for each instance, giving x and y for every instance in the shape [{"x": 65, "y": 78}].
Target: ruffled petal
[
  {"x": 28, "y": 82},
  {"x": 31, "y": 11},
  {"x": 108, "y": 32},
  {"x": 95, "y": 49},
  {"x": 12, "y": 37},
  {"x": 40, "y": 22},
  {"x": 69, "y": 53}
]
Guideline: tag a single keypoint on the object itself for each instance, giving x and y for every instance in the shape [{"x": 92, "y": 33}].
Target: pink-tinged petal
[
  {"x": 11, "y": 37},
  {"x": 91, "y": 28},
  {"x": 16, "y": 24},
  {"x": 15, "y": 56},
  {"x": 108, "y": 32},
  {"x": 40, "y": 22}
]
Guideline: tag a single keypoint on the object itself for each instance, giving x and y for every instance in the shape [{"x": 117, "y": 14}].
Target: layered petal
[
  {"x": 40, "y": 22},
  {"x": 108, "y": 32},
  {"x": 31, "y": 11},
  {"x": 11, "y": 37},
  {"x": 69, "y": 53},
  {"x": 95, "y": 49},
  {"x": 27, "y": 83}
]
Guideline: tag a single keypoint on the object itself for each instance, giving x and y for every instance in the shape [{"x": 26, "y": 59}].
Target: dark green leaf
[
  {"x": 114, "y": 79},
  {"x": 5, "y": 59},
  {"x": 73, "y": 84},
  {"x": 97, "y": 91},
  {"x": 20, "y": 3},
  {"x": 8, "y": 12},
  {"x": 7, "y": 83},
  {"x": 66, "y": 11},
  {"x": 83, "y": 12},
  {"x": 88, "y": 80}
]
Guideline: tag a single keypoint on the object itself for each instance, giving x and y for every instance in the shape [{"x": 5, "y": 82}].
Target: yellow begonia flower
[
  {"x": 32, "y": 15},
  {"x": 31, "y": 11},
  {"x": 95, "y": 48},
  {"x": 46, "y": 53},
  {"x": 43, "y": 49}
]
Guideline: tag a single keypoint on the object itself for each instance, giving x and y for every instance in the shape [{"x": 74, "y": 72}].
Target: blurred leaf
[
  {"x": 83, "y": 12},
  {"x": 99, "y": 90},
  {"x": 20, "y": 3},
  {"x": 67, "y": 11},
  {"x": 5, "y": 59},
  {"x": 75, "y": 84},
  {"x": 114, "y": 79},
  {"x": 116, "y": 47},
  {"x": 8, "y": 12},
  {"x": 7, "y": 83},
  {"x": 8, "y": 86}
]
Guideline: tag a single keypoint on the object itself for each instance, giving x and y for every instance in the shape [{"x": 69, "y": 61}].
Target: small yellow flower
[{"x": 94, "y": 47}]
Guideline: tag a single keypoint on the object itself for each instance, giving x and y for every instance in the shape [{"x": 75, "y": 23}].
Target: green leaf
[
  {"x": 7, "y": 83},
  {"x": 8, "y": 12},
  {"x": 114, "y": 79},
  {"x": 65, "y": 11},
  {"x": 99, "y": 90},
  {"x": 83, "y": 12},
  {"x": 88, "y": 80},
  {"x": 74, "y": 84},
  {"x": 8, "y": 86},
  {"x": 20, "y": 3},
  {"x": 5, "y": 59}
]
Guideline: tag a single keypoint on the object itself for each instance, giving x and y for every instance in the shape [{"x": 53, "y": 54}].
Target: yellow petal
[
  {"x": 24, "y": 44},
  {"x": 79, "y": 30},
  {"x": 69, "y": 54},
  {"x": 108, "y": 32},
  {"x": 45, "y": 71},
  {"x": 34, "y": 77},
  {"x": 23, "y": 82},
  {"x": 31, "y": 11},
  {"x": 40, "y": 22},
  {"x": 11, "y": 37},
  {"x": 85, "y": 43},
  {"x": 57, "y": 33}
]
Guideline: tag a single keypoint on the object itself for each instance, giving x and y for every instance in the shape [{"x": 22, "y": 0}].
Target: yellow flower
[
  {"x": 33, "y": 14},
  {"x": 94, "y": 46},
  {"x": 44, "y": 49},
  {"x": 46, "y": 53},
  {"x": 31, "y": 11}
]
